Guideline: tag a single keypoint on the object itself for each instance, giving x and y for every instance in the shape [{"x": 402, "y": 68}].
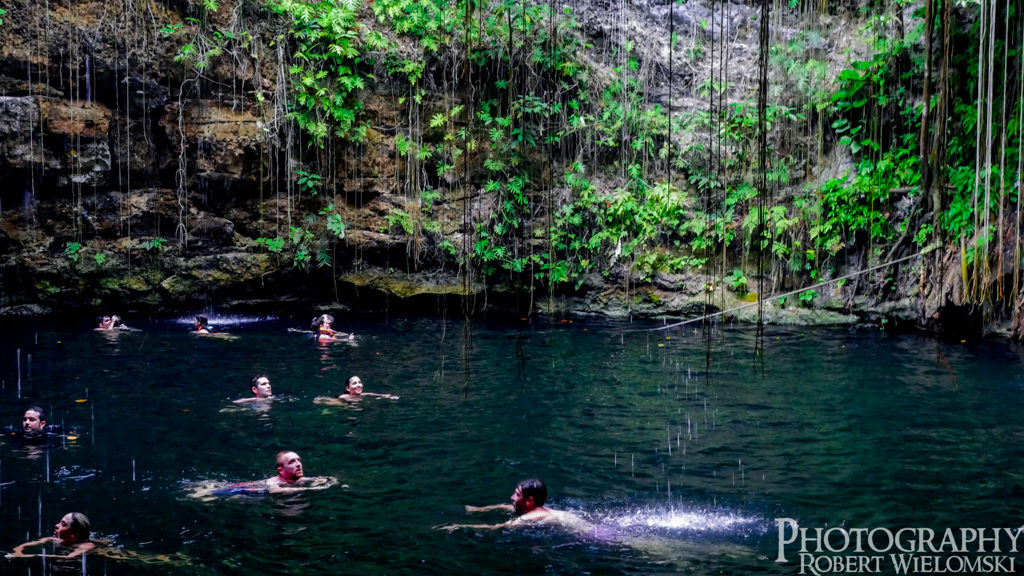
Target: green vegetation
[
  {"x": 71, "y": 250},
  {"x": 516, "y": 147},
  {"x": 677, "y": 192}
]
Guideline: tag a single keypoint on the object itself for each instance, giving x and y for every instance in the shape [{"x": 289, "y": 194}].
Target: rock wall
[{"x": 129, "y": 181}]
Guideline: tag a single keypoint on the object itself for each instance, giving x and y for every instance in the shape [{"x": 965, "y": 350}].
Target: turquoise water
[{"x": 681, "y": 458}]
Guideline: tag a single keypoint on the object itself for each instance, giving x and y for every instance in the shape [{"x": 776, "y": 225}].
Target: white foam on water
[
  {"x": 688, "y": 520},
  {"x": 227, "y": 320}
]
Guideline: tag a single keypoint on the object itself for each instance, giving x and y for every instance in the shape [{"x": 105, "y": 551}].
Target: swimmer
[
  {"x": 528, "y": 506},
  {"x": 353, "y": 393},
  {"x": 34, "y": 431},
  {"x": 261, "y": 390},
  {"x": 290, "y": 476},
  {"x": 33, "y": 424},
  {"x": 72, "y": 538},
  {"x": 322, "y": 331},
  {"x": 111, "y": 323},
  {"x": 71, "y": 535},
  {"x": 202, "y": 325}
]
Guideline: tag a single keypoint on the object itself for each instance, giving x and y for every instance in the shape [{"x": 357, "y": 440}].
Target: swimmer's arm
[
  {"x": 506, "y": 507},
  {"x": 19, "y": 550},
  {"x": 320, "y": 483},
  {"x": 119, "y": 553},
  {"x": 386, "y": 396},
  {"x": 329, "y": 401},
  {"x": 454, "y": 527},
  {"x": 316, "y": 483},
  {"x": 78, "y": 550}
]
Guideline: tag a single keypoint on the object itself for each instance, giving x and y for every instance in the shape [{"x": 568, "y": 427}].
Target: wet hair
[
  {"x": 100, "y": 320},
  {"x": 37, "y": 410},
  {"x": 532, "y": 487},
  {"x": 203, "y": 321},
  {"x": 279, "y": 459},
  {"x": 321, "y": 320},
  {"x": 350, "y": 379},
  {"x": 80, "y": 527},
  {"x": 256, "y": 379}
]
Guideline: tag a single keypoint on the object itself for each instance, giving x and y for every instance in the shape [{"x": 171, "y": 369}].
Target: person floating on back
[
  {"x": 322, "y": 331},
  {"x": 353, "y": 393},
  {"x": 528, "y": 506}
]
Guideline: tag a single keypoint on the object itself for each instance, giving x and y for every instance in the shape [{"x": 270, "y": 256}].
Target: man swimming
[
  {"x": 528, "y": 506},
  {"x": 35, "y": 432},
  {"x": 33, "y": 424},
  {"x": 261, "y": 390},
  {"x": 291, "y": 477}
]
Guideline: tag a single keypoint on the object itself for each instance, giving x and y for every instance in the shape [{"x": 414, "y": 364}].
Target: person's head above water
[
  {"x": 261, "y": 386},
  {"x": 289, "y": 467},
  {"x": 322, "y": 321},
  {"x": 530, "y": 494},
  {"x": 73, "y": 528},
  {"x": 354, "y": 386},
  {"x": 34, "y": 421},
  {"x": 105, "y": 322}
]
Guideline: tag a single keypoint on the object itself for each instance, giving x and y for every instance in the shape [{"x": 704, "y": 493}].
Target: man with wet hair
[
  {"x": 533, "y": 494},
  {"x": 33, "y": 423},
  {"x": 291, "y": 477},
  {"x": 34, "y": 430},
  {"x": 528, "y": 506},
  {"x": 261, "y": 390}
]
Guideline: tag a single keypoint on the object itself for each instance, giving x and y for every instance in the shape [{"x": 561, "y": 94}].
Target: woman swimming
[{"x": 70, "y": 536}]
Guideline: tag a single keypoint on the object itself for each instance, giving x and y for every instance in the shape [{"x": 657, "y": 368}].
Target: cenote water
[{"x": 681, "y": 455}]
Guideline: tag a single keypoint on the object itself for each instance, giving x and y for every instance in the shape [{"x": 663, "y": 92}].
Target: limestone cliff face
[{"x": 134, "y": 178}]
